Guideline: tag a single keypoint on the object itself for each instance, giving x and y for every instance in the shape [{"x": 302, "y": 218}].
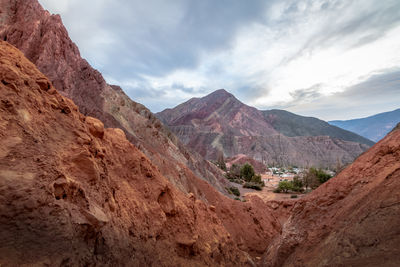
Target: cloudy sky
[{"x": 333, "y": 59}]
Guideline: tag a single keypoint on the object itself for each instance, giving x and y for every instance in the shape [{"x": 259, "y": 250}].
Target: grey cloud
[
  {"x": 386, "y": 84},
  {"x": 163, "y": 36},
  {"x": 380, "y": 92},
  {"x": 183, "y": 88},
  {"x": 300, "y": 97},
  {"x": 347, "y": 22},
  {"x": 307, "y": 94},
  {"x": 163, "y": 97}
]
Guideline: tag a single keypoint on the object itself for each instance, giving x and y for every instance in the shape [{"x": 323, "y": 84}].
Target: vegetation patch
[
  {"x": 245, "y": 175},
  {"x": 308, "y": 180}
]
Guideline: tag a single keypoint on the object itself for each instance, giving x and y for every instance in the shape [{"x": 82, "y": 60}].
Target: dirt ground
[{"x": 266, "y": 193}]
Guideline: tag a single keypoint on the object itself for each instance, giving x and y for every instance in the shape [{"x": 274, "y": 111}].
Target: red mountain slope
[
  {"x": 219, "y": 123},
  {"x": 44, "y": 40},
  {"x": 352, "y": 220}
]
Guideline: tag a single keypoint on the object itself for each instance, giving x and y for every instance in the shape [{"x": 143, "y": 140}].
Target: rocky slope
[
  {"x": 221, "y": 123},
  {"x": 352, "y": 220},
  {"x": 44, "y": 40},
  {"x": 73, "y": 193},
  {"x": 374, "y": 127}
]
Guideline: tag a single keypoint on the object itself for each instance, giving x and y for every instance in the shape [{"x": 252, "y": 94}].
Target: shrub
[
  {"x": 236, "y": 198},
  {"x": 235, "y": 191},
  {"x": 293, "y": 196},
  {"x": 256, "y": 179},
  {"x": 253, "y": 186},
  {"x": 277, "y": 190}
]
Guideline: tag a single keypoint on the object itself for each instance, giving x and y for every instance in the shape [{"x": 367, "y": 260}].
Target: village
[
  {"x": 272, "y": 178},
  {"x": 274, "y": 175}
]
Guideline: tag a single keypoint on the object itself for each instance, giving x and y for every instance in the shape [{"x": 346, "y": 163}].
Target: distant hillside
[
  {"x": 219, "y": 123},
  {"x": 292, "y": 125},
  {"x": 374, "y": 127}
]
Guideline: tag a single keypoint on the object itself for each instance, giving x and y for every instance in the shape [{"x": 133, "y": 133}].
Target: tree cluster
[
  {"x": 245, "y": 175},
  {"x": 295, "y": 186},
  {"x": 312, "y": 178},
  {"x": 309, "y": 179}
]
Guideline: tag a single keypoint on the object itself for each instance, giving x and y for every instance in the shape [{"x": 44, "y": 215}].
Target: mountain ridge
[
  {"x": 374, "y": 127},
  {"x": 219, "y": 122}
]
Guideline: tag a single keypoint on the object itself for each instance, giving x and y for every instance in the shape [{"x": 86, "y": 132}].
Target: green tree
[
  {"x": 312, "y": 178},
  {"x": 285, "y": 186},
  {"x": 297, "y": 184},
  {"x": 323, "y": 176},
  {"x": 247, "y": 172}
]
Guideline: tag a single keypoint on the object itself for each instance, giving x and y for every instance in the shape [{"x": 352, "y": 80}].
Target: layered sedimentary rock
[
  {"x": 44, "y": 40},
  {"x": 219, "y": 123},
  {"x": 73, "y": 193},
  {"x": 352, "y": 220}
]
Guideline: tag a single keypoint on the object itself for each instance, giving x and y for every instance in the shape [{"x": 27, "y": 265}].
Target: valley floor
[{"x": 266, "y": 194}]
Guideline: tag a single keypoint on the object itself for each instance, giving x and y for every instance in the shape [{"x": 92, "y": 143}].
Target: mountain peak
[{"x": 220, "y": 93}]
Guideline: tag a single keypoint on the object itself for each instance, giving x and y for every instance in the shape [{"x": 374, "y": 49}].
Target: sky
[{"x": 331, "y": 59}]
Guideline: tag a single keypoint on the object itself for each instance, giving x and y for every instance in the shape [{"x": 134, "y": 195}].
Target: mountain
[
  {"x": 45, "y": 41},
  {"x": 219, "y": 123},
  {"x": 292, "y": 125},
  {"x": 374, "y": 127},
  {"x": 73, "y": 193},
  {"x": 352, "y": 220}
]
